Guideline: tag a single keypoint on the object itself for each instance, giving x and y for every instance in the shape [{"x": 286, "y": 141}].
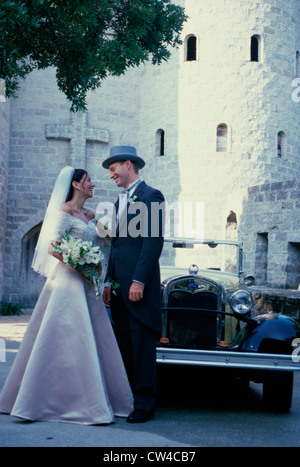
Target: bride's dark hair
[{"x": 77, "y": 176}]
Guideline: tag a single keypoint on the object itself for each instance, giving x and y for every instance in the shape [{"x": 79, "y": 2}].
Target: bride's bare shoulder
[
  {"x": 90, "y": 215},
  {"x": 66, "y": 208}
]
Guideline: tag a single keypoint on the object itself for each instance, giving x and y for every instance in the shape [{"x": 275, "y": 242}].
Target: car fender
[{"x": 269, "y": 333}]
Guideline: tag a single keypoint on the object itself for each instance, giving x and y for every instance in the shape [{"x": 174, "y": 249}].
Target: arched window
[
  {"x": 31, "y": 282},
  {"x": 160, "y": 143},
  {"x": 255, "y": 49},
  {"x": 281, "y": 145},
  {"x": 222, "y": 137},
  {"x": 190, "y": 48},
  {"x": 297, "y": 67}
]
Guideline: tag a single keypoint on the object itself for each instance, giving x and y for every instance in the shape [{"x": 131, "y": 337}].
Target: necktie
[{"x": 123, "y": 200}]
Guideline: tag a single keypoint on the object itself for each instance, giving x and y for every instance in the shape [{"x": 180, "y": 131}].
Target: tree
[{"x": 85, "y": 40}]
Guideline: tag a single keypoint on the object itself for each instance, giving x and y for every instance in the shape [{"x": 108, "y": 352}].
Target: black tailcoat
[{"x": 137, "y": 257}]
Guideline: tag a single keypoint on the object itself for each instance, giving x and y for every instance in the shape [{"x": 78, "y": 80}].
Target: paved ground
[
  {"x": 203, "y": 412},
  {"x": 13, "y": 328}
]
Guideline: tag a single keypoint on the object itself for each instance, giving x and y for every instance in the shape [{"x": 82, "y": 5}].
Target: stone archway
[{"x": 31, "y": 282}]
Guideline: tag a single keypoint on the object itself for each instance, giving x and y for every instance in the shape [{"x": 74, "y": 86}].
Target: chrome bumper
[{"x": 215, "y": 358}]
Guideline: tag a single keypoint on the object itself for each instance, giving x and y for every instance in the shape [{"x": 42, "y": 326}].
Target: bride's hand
[
  {"x": 84, "y": 273},
  {"x": 98, "y": 270}
]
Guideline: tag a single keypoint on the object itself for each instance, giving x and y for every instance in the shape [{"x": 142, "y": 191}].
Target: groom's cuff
[{"x": 138, "y": 282}]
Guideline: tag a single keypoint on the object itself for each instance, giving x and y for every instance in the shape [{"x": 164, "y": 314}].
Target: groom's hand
[
  {"x": 106, "y": 296},
  {"x": 136, "y": 292}
]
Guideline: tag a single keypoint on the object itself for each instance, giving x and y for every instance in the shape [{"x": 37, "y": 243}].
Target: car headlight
[{"x": 241, "y": 302}]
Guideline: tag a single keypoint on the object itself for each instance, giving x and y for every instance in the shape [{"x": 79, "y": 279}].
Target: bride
[{"x": 68, "y": 367}]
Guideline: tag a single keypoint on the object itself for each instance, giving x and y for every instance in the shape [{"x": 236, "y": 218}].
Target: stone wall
[
  {"x": 223, "y": 86},
  {"x": 271, "y": 235},
  {"x": 4, "y": 153},
  {"x": 276, "y": 301},
  {"x": 45, "y": 137},
  {"x": 188, "y": 100},
  {"x": 253, "y": 99}
]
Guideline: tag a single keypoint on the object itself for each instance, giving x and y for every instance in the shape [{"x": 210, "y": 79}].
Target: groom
[{"x": 135, "y": 305}]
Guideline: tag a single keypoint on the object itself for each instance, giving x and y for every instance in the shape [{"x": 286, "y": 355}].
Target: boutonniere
[
  {"x": 112, "y": 284},
  {"x": 133, "y": 199}
]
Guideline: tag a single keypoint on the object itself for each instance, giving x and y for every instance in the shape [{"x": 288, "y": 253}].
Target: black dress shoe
[{"x": 140, "y": 416}]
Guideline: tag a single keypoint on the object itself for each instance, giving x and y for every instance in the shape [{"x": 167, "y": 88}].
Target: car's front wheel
[{"x": 278, "y": 391}]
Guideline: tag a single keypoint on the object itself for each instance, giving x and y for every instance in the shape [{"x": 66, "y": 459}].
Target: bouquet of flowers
[{"x": 82, "y": 256}]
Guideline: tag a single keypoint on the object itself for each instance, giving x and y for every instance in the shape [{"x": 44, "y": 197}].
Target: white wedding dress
[{"x": 68, "y": 368}]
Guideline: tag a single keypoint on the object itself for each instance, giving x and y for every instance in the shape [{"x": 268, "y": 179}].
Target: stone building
[{"x": 217, "y": 124}]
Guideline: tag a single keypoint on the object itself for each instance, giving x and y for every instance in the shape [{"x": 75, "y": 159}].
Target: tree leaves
[{"x": 85, "y": 40}]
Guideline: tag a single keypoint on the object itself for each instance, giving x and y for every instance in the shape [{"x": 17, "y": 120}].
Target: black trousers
[{"x": 137, "y": 344}]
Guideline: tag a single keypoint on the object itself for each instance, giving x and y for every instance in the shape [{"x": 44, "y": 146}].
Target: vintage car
[{"x": 208, "y": 321}]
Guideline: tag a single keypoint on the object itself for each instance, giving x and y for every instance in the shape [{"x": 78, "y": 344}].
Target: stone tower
[
  {"x": 217, "y": 124},
  {"x": 225, "y": 104}
]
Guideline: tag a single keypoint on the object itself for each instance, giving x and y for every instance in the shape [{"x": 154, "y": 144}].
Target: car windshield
[{"x": 208, "y": 255}]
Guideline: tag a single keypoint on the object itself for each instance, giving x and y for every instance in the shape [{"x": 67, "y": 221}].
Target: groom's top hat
[{"x": 123, "y": 153}]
